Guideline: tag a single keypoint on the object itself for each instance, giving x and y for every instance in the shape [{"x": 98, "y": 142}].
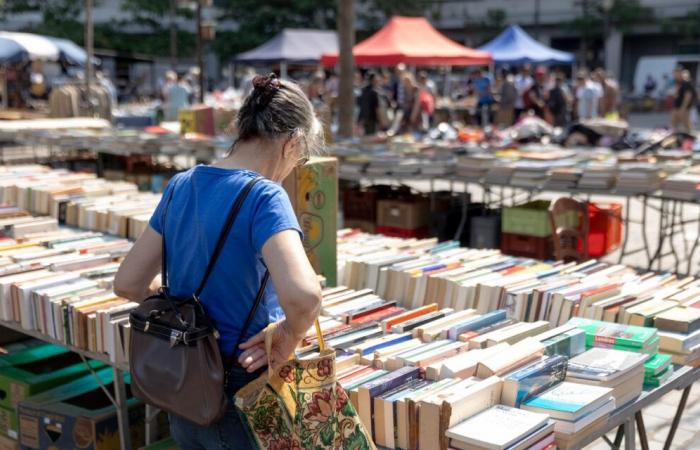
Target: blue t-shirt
[
  {"x": 201, "y": 202},
  {"x": 482, "y": 86}
]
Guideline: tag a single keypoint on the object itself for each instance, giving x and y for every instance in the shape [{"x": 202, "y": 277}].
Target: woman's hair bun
[{"x": 264, "y": 88}]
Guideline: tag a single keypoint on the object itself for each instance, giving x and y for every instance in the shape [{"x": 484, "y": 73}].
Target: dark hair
[{"x": 277, "y": 108}]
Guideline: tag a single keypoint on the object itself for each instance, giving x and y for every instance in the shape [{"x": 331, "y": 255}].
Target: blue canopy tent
[
  {"x": 295, "y": 46},
  {"x": 514, "y": 46}
]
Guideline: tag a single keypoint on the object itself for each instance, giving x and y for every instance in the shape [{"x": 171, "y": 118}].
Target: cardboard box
[
  {"x": 8, "y": 423},
  {"x": 313, "y": 191},
  {"x": 197, "y": 119},
  {"x": 8, "y": 444},
  {"x": 364, "y": 225},
  {"x": 409, "y": 214},
  {"x": 223, "y": 120},
  {"x": 78, "y": 415},
  {"x": 38, "y": 369}
]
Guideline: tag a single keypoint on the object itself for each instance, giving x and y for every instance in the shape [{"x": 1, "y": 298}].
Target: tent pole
[
  {"x": 90, "y": 51},
  {"x": 283, "y": 69}
]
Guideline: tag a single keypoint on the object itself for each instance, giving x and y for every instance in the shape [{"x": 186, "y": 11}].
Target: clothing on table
[
  {"x": 587, "y": 101},
  {"x": 201, "y": 200},
  {"x": 178, "y": 98}
]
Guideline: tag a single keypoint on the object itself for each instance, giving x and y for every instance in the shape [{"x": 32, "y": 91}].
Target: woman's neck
[{"x": 252, "y": 156}]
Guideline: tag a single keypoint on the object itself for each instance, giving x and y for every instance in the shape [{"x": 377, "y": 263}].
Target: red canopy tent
[{"x": 412, "y": 41}]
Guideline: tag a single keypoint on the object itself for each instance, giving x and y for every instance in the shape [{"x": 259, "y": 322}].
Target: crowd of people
[{"x": 405, "y": 101}]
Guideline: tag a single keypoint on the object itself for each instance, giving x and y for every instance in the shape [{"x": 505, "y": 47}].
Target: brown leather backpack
[{"x": 174, "y": 358}]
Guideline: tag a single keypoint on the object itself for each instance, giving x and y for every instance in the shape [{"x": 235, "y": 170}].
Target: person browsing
[{"x": 277, "y": 131}]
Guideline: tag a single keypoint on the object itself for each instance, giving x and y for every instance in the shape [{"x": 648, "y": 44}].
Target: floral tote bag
[{"x": 301, "y": 406}]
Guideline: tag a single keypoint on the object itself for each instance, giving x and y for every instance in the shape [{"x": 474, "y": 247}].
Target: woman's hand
[{"x": 283, "y": 344}]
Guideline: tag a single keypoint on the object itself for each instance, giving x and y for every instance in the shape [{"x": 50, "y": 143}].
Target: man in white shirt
[
  {"x": 523, "y": 81},
  {"x": 587, "y": 95}
]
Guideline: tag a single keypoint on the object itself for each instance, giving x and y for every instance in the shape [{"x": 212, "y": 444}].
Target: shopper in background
[
  {"x": 607, "y": 106},
  {"x": 507, "y": 100},
  {"x": 558, "y": 102},
  {"x": 587, "y": 96},
  {"x": 178, "y": 97},
  {"x": 426, "y": 102},
  {"x": 169, "y": 81},
  {"x": 409, "y": 106},
  {"x": 534, "y": 97},
  {"x": 522, "y": 81},
  {"x": 369, "y": 105},
  {"x": 684, "y": 99},
  {"x": 482, "y": 89},
  {"x": 277, "y": 131}
]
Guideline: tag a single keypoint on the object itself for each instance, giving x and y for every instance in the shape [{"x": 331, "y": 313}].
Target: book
[
  {"x": 604, "y": 364},
  {"x": 510, "y": 358},
  {"x": 678, "y": 320},
  {"x": 451, "y": 406},
  {"x": 533, "y": 379},
  {"x": 497, "y": 428},
  {"x": 476, "y": 323},
  {"x": 366, "y": 392},
  {"x": 568, "y": 401},
  {"x": 656, "y": 364},
  {"x": 569, "y": 343},
  {"x": 570, "y": 427},
  {"x": 605, "y": 334},
  {"x": 384, "y": 417},
  {"x": 462, "y": 365}
]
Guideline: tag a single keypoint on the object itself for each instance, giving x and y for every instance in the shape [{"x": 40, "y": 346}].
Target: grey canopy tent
[{"x": 292, "y": 46}]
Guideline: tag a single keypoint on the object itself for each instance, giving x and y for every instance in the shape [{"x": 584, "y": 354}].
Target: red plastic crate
[
  {"x": 403, "y": 232},
  {"x": 527, "y": 246},
  {"x": 605, "y": 228}
]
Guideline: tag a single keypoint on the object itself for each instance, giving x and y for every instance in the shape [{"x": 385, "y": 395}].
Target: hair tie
[{"x": 265, "y": 87}]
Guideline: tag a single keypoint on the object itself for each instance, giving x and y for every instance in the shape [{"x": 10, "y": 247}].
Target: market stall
[
  {"x": 412, "y": 41},
  {"x": 291, "y": 46},
  {"x": 514, "y": 46}
]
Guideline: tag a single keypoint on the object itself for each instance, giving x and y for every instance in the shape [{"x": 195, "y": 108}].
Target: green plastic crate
[{"x": 532, "y": 219}]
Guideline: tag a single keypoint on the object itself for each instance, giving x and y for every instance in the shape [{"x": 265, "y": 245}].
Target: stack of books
[
  {"x": 621, "y": 337},
  {"x": 620, "y": 370},
  {"x": 679, "y": 332},
  {"x": 530, "y": 174},
  {"x": 563, "y": 178},
  {"x": 577, "y": 409},
  {"x": 598, "y": 176},
  {"x": 504, "y": 427},
  {"x": 682, "y": 186},
  {"x": 474, "y": 167},
  {"x": 657, "y": 370},
  {"x": 636, "y": 178}
]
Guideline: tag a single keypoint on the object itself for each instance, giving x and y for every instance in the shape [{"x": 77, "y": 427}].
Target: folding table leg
[
  {"x": 677, "y": 417},
  {"x": 641, "y": 429}
]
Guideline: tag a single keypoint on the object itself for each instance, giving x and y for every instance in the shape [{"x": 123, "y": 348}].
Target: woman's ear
[{"x": 289, "y": 147}]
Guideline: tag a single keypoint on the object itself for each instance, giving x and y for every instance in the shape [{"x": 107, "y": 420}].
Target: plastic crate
[
  {"x": 360, "y": 204},
  {"x": 527, "y": 246},
  {"x": 531, "y": 219},
  {"x": 485, "y": 231},
  {"x": 419, "y": 233},
  {"x": 605, "y": 228}
]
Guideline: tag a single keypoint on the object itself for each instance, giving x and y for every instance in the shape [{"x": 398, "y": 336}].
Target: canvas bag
[{"x": 301, "y": 405}]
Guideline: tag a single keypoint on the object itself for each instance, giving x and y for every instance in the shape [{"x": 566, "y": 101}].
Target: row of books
[
  {"x": 78, "y": 199},
  {"x": 433, "y": 378},
  {"x": 58, "y": 281},
  {"x": 418, "y": 272}
]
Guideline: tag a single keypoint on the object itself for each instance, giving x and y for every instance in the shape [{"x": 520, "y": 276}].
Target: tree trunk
[{"x": 346, "y": 40}]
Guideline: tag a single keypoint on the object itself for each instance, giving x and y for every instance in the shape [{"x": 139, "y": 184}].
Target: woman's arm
[
  {"x": 299, "y": 295},
  {"x": 138, "y": 277}
]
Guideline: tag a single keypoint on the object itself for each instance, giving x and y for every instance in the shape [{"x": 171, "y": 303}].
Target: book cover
[
  {"x": 604, "y": 364},
  {"x": 533, "y": 379},
  {"x": 569, "y": 343},
  {"x": 600, "y": 333},
  {"x": 476, "y": 323},
  {"x": 498, "y": 427},
  {"x": 367, "y": 391},
  {"x": 568, "y": 401}
]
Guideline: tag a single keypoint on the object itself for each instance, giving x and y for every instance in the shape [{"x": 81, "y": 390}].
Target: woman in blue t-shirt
[{"x": 277, "y": 131}]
